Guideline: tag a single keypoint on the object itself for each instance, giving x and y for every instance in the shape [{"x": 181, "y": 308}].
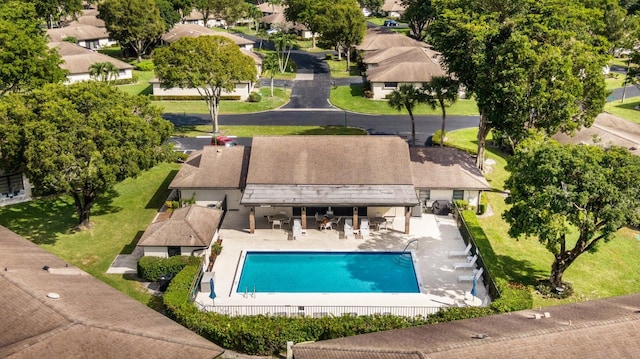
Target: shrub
[
  {"x": 217, "y": 248},
  {"x": 132, "y": 80},
  {"x": 189, "y": 98},
  {"x": 462, "y": 204},
  {"x": 151, "y": 268},
  {"x": 71, "y": 39},
  {"x": 254, "y": 97},
  {"x": 145, "y": 65},
  {"x": 435, "y": 139},
  {"x": 482, "y": 208},
  {"x": 367, "y": 93},
  {"x": 328, "y": 56},
  {"x": 514, "y": 296}
]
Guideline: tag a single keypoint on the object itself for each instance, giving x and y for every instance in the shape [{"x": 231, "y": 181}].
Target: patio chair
[
  {"x": 477, "y": 273},
  {"x": 276, "y": 222},
  {"x": 319, "y": 218},
  {"x": 364, "y": 228},
  {"x": 348, "y": 230},
  {"x": 463, "y": 253},
  {"x": 287, "y": 221},
  {"x": 336, "y": 221},
  {"x": 470, "y": 264},
  {"x": 385, "y": 224}
]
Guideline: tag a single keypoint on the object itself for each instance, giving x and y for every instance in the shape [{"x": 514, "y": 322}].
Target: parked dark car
[
  {"x": 224, "y": 141},
  {"x": 390, "y": 23}
]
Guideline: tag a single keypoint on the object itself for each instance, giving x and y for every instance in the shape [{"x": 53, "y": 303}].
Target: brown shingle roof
[
  {"x": 445, "y": 168},
  {"x": 214, "y": 167},
  {"x": 194, "y": 30},
  {"x": 88, "y": 17},
  {"x": 78, "y": 60},
  {"x": 191, "y": 226},
  {"x": 401, "y": 53},
  {"x": 390, "y": 71},
  {"x": 393, "y": 5},
  {"x": 268, "y": 8},
  {"x": 380, "y": 38},
  {"x": 594, "y": 329},
  {"x": 329, "y": 160},
  {"x": 79, "y": 31},
  {"x": 90, "y": 319}
]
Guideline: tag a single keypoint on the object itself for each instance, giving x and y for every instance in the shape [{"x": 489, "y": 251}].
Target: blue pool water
[{"x": 328, "y": 272}]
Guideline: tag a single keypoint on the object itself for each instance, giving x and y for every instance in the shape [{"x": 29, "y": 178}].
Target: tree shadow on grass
[
  {"x": 104, "y": 204},
  {"x": 41, "y": 221},
  {"x": 521, "y": 271},
  {"x": 162, "y": 192},
  {"x": 129, "y": 247}
]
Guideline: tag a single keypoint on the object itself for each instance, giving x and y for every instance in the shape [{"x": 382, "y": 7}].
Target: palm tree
[
  {"x": 439, "y": 91},
  {"x": 270, "y": 64},
  {"x": 407, "y": 96},
  {"x": 104, "y": 71},
  {"x": 283, "y": 44}
]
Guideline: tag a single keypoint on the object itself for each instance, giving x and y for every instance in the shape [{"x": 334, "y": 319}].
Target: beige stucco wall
[
  {"x": 206, "y": 197},
  {"x": 380, "y": 92},
  {"x": 124, "y": 74},
  {"x": 242, "y": 89}
]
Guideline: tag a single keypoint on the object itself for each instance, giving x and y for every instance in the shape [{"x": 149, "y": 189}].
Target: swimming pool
[{"x": 327, "y": 272}]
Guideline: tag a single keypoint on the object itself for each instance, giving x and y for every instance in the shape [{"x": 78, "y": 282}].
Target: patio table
[
  {"x": 377, "y": 221},
  {"x": 277, "y": 217}
]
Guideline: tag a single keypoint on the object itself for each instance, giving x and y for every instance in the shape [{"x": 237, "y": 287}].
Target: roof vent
[
  {"x": 480, "y": 336},
  {"x": 53, "y": 295}
]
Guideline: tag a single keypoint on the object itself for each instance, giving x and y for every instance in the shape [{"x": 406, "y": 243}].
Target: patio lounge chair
[
  {"x": 477, "y": 273},
  {"x": 364, "y": 228},
  {"x": 336, "y": 221},
  {"x": 463, "y": 253},
  {"x": 470, "y": 264},
  {"x": 348, "y": 230}
]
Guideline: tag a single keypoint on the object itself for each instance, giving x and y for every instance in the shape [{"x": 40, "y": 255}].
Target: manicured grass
[
  {"x": 119, "y": 219},
  {"x": 339, "y": 68},
  {"x": 611, "y": 271},
  {"x": 350, "y": 98},
  {"x": 281, "y": 97},
  {"x": 614, "y": 81},
  {"x": 625, "y": 109},
  {"x": 250, "y": 131},
  {"x": 142, "y": 87},
  {"x": 619, "y": 61}
]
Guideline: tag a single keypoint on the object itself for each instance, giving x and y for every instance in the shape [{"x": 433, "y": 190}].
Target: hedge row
[
  {"x": 513, "y": 296},
  {"x": 268, "y": 335},
  {"x": 190, "y": 98},
  {"x": 152, "y": 268}
]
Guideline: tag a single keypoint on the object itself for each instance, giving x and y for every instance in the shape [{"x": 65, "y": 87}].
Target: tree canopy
[
  {"x": 81, "y": 139},
  {"x": 571, "y": 197},
  {"x": 52, "y": 10},
  {"x": 27, "y": 62},
  {"x": 210, "y": 64},
  {"x": 305, "y": 12},
  {"x": 134, "y": 23},
  {"x": 408, "y": 97},
  {"x": 440, "y": 91},
  {"x": 168, "y": 13},
  {"x": 530, "y": 64},
  {"x": 418, "y": 13},
  {"x": 342, "y": 23}
]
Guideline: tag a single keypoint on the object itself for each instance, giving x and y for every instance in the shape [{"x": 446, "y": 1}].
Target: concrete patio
[{"x": 435, "y": 236}]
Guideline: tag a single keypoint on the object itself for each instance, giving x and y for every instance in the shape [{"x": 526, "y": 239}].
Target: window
[
  {"x": 458, "y": 194},
  {"x": 390, "y": 85},
  {"x": 174, "y": 251}
]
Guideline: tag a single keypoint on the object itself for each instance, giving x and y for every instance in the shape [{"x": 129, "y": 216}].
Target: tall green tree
[
  {"x": 418, "y": 13},
  {"x": 270, "y": 65},
  {"x": 572, "y": 198},
  {"x": 372, "y": 5},
  {"x": 104, "y": 71},
  {"x": 530, "y": 64},
  {"x": 134, "y": 23},
  {"x": 407, "y": 97},
  {"x": 210, "y": 64},
  {"x": 81, "y": 139},
  {"x": 440, "y": 92},
  {"x": 52, "y": 10},
  {"x": 283, "y": 44},
  {"x": 183, "y": 7},
  {"x": 169, "y": 15},
  {"x": 305, "y": 12},
  {"x": 27, "y": 62},
  {"x": 343, "y": 24}
]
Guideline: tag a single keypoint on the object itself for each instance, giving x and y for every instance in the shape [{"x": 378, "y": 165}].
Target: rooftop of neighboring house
[
  {"x": 194, "y": 30},
  {"x": 79, "y": 31},
  {"x": 53, "y": 309},
  {"x": 190, "y": 226},
  {"x": 78, "y": 60}
]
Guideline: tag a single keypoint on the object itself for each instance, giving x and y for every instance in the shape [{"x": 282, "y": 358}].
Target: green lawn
[
  {"x": 142, "y": 87},
  {"x": 619, "y": 61},
  {"x": 350, "y": 98},
  {"x": 614, "y": 81},
  {"x": 339, "y": 68},
  {"x": 611, "y": 271},
  {"x": 625, "y": 109},
  {"x": 281, "y": 97},
  {"x": 119, "y": 219}
]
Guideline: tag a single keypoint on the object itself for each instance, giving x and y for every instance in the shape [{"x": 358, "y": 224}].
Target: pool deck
[{"x": 435, "y": 235}]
